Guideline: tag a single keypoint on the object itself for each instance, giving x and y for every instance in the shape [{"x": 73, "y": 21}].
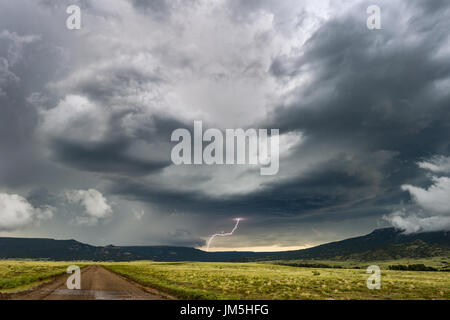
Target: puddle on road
[{"x": 96, "y": 294}]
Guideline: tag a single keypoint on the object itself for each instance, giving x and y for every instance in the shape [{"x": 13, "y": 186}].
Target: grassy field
[
  {"x": 191, "y": 280},
  {"x": 268, "y": 281},
  {"x": 20, "y": 275}
]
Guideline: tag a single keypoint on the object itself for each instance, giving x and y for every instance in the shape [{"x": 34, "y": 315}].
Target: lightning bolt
[{"x": 223, "y": 234}]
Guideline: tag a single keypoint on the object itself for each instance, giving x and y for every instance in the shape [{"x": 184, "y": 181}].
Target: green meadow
[
  {"x": 23, "y": 274},
  {"x": 191, "y": 280},
  {"x": 198, "y": 280}
]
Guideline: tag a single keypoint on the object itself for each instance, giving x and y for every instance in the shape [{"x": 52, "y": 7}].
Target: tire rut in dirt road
[{"x": 97, "y": 283}]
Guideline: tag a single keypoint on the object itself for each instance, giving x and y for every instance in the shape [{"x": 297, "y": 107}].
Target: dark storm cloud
[
  {"x": 156, "y": 6},
  {"x": 373, "y": 95},
  {"x": 337, "y": 183},
  {"x": 381, "y": 89},
  {"x": 185, "y": 238},
  {"x": 433, "y": 6},
  {"x": 370, "y": 105},
  {"x": 161, "y": 10},
  {"x": 41, "y": 197},
  {"x": 112, "y": 90},
  {"x": 84, "y": 4},
  {"x": 104, "y": 157},
  {"x": 26, "y": 64},
  {"x": 111, "y": 156},
  {"x": 372, "y": 90}
]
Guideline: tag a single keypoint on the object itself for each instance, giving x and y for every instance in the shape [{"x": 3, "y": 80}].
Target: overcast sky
[{"x": 86, "y": 118}]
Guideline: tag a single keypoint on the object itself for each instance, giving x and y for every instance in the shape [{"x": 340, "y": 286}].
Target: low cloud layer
[
  {"x": 431, "y": 205},
  {"x": 435, "y": 199},
  {"x": 412, "y": 223},
  {"x": 437, "y": 164}
]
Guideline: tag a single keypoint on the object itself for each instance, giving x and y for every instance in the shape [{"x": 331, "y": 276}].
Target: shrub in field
[{"x": 412, "y": 267}]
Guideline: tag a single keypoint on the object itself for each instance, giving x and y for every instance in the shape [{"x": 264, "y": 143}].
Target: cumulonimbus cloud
[{"x": 17, "y": 213}]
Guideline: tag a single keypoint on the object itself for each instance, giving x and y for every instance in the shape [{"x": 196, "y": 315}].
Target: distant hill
[
  {"x": 381, "y": 244},
  {"x": 60, "y": 250},
  {"x": 29, "y": 248}
]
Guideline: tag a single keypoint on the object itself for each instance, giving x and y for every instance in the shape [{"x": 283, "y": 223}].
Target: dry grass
[{"x": 266, "y": 281}]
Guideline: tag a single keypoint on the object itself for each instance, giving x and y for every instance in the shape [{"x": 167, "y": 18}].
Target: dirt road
[{"x": 97, "y": 283}]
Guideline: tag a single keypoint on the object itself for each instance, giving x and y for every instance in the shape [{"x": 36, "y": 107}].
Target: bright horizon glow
[{"x": 272, "y": 248}]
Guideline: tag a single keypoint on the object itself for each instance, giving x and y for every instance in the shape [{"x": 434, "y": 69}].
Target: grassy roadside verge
[
  {"x": 20, "y": 275},
  {"x": 141, "y": 276}
]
